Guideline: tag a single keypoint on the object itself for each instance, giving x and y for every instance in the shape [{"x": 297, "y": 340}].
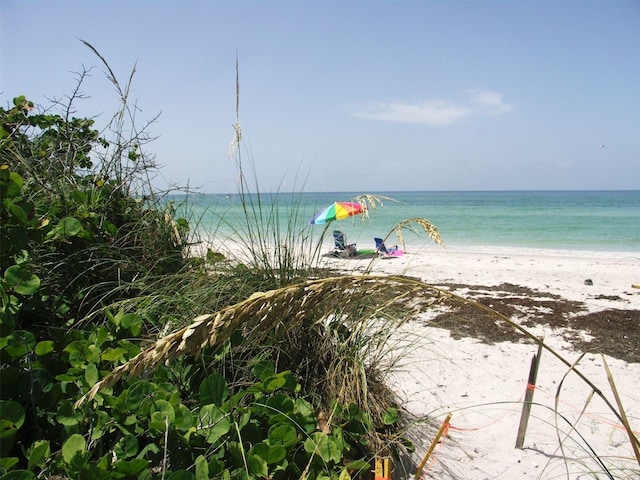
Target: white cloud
[
  {"x": 439, "y": 112},
  {"x": 488, "y": 102},
  {"x": 436, "y": 113}
]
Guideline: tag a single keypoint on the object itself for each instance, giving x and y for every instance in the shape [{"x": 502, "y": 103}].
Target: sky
[{"x": 353, "y": 96}]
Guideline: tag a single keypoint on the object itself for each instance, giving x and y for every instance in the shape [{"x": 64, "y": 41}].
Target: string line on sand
[
  {"x": 493, "y": 422},
  {"x": 438, "y": 443},
  {"x": 532, "y": 387},
  {"x": 594, "y": 417}
]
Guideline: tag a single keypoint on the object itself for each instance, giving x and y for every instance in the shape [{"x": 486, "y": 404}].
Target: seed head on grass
[
  {"x": 411, "y": 224},
  {"x": 278, "y": 311},
  {"x": 371, "y": 202}
]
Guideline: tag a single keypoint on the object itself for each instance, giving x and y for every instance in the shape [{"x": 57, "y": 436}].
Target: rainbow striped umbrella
[{"x": 336, "y": 211}]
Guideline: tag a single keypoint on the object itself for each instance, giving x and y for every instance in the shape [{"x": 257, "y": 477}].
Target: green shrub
[{"x": 81, "y": 262}]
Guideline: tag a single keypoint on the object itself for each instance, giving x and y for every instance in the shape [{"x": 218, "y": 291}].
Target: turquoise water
[{"x": 572, "y": 220}]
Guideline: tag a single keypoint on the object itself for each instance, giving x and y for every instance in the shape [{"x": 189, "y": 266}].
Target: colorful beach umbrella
[{"x": 336, "y": 211}]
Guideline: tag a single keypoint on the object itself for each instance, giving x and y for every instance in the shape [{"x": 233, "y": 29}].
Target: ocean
[{"x": 557, "y": 220}]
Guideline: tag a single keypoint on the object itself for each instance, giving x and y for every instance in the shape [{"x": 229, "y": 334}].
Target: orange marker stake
[{"x": 432, "y": 447}]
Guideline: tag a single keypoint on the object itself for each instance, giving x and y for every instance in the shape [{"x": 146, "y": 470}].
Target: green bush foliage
[{"x": 76, "y": 247}]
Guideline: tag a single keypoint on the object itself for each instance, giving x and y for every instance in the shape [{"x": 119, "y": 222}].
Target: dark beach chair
[{"x": 341, "y": 246}]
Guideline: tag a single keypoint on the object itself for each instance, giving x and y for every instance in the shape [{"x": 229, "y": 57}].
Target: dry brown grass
[{"x": 276, "y": 311}]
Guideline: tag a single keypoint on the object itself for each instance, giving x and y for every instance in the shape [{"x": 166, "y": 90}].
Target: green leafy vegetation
[{"x": 94, "y": 267}]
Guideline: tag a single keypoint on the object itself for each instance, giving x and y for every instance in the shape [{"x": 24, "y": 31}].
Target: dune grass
[{"x": 352, "y": 322}]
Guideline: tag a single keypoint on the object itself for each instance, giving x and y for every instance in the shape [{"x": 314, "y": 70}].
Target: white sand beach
[
  {"x": 555, "y": 271},
  {"x": 482, "y": 385}
]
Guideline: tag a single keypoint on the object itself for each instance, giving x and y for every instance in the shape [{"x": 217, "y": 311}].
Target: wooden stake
[
  {"x": 528, "y": 398},
  {"x": 432, "y": 447}
]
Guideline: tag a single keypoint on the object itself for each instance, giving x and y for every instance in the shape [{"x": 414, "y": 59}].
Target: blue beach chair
[{"x": 383, "y": 250}]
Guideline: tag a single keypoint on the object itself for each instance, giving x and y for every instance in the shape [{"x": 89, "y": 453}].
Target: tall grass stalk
[
  {"x": 573, "y": 425},
  {"x": 280, "y": 249},
  {"x": 635, "y": 444}
]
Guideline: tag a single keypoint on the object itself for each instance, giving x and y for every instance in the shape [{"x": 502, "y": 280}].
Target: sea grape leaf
[
  {"x": 282, "y": 434},
  {"x": 131, "y": 467},
  {"x": 19, "y": 279},
  {"x": 359, "y": 465},
  {"x": 39, "y": 451},
  {"x": 213, "y": 423},
  {"x": 67, "y": 415},
  {"x": 19, "y": 475},
  {"x": 137, "y": 394},
  {"x": 323, "y": 445},
  {"x": 91, "y": 374},
  {"x": 73, "y": 445},
  {"x": 181, "y": 475},
  {"x": 10, "y": 182},
  {"x": 270, "y": 453},
  {"x": 67, "y": 227},
  {"x": 214, "y": 390},
  {"x": 44, "y": 347},
  {"x": 12, "y": 417},
  {"x": 390, "y": 416},
  {"x": 8, "y": 462},
  {"x": 273, "y": 383},
  {"x": 183, "y": 417},
  {"x": 19, "y": 343},
  {"x": 257, "y": 466},
  {"x": 202, "y": 468},
  {"x": 263, "y": 369},
  {"x": 113, "y": 354},
  {"x": 132, "y": 322},
  {"x": 281, "y": 409},
  {"x": 162, "y": 415}
]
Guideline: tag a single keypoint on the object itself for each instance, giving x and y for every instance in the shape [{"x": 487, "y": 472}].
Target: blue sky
[{"x": 353, "y": 96}]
